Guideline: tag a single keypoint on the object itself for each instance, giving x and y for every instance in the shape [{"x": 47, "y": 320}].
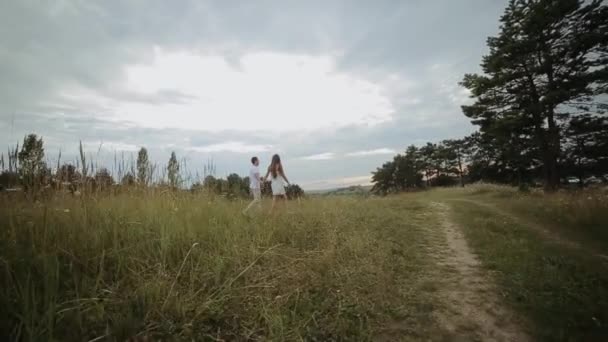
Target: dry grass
[
  {"x": 191, "y": 267},
  {"x": 187, "y": 266}
]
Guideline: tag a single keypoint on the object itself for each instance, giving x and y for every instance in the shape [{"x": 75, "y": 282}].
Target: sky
[{"x": 335, "y": 87}]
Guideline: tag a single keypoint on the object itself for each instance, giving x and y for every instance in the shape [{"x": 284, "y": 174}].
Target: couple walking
[{"x": 278, "y": 180}]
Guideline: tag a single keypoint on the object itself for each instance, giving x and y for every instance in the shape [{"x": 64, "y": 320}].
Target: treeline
[
  {"x": 540, "y": 105},
  {"x": 25, "y": 169},
  {"x": 235, "y": 186},
  {"x": 431, "y": 165}
]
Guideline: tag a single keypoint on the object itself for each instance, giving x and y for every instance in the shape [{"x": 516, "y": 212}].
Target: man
[{"x": 255, "y": 184}]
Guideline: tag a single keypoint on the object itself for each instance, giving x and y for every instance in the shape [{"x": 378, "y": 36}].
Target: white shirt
[{"x": 254, "y": 177}]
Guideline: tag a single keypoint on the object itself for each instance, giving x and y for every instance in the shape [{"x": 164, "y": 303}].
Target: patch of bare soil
[{"x": 471, "y": 309}]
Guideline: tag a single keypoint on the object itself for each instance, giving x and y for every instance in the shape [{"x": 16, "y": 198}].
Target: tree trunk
[
  {"x": 545, "y": 141},
  {"x": 551, "y": 173},
  {"x": 553, "y": 152},
  {"x": 460, "y": 170}
]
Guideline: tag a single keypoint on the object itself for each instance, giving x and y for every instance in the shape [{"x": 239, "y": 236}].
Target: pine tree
[
  {"x": 586, "y": 147},
  {"x": 383, "y": 179},
  {"x": 549, "y": 59}
]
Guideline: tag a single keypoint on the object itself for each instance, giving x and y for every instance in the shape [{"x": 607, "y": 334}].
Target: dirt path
[
  {"x": 471, "y": 309},
  {"x": 550, "y": 235}
]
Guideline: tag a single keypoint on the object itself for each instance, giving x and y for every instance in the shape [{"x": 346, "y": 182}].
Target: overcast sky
[{"x": 334, "y": 87}]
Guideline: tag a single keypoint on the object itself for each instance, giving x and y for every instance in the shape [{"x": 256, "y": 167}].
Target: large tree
[
  {"x": 408, "y": 169},
  {"x": 457, "y": 153},
  {"x": 548, "y": 61},
  {"x": 383, "y": 178},
  {"x": 426, "y": 152}
]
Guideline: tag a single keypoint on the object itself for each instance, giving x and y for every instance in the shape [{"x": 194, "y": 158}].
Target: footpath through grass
[
  {"x": 563, "y": 290},
  {"x": 190, "y": 267}
]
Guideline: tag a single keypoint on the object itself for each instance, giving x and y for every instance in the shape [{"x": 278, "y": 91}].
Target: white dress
[{"x": 278, "y": 185}]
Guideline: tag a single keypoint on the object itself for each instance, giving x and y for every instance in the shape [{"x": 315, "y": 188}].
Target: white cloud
[
  {"x": 120, "y": 146},
  {"x": 320, "y": 156},
  {"x": 371, "y": 152},
  {"x": 447, "y": 80},
  {"x": 98, "y": 146},
  {"x": 265, "y": 91},
  {"x": 233, "y": 146}
]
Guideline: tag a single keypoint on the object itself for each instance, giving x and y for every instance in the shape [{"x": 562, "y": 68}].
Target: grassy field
[
  {"x": 547, "y": 253},
  {"x": 436, "y": 265}
]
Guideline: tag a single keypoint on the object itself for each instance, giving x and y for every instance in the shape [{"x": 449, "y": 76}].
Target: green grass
[
  {"x": 564, "y": 291},
  {"x": 579, "y": 215},
  {"x": 192, "y": 267}
]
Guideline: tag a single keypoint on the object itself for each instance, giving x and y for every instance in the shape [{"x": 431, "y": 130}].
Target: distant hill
[{"x": 346, "y": 191}]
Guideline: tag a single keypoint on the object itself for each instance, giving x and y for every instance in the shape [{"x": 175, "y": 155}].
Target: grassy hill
[{"x": 350, "y": 190}]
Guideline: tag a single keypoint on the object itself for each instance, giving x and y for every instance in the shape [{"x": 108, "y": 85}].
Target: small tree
[
  {"x": 103, "y": 179},
  {"x": 31, "y": 165},
  {"x": 294, "y": 191},
  {"x": 173, "y": 171},
  {"x": 210, "y": 184},
  {"x": 128, "y": 180},
  {"x": 234, "y": 185},
  {"x": 68, "y": 173},
  {"x": 143, "y": 167}
]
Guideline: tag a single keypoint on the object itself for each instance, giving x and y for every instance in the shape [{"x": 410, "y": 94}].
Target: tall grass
[
  {"x": 577, "y": 214},
  {"x": 191, "y": 267},
  {"x": 563, "y": 291}
]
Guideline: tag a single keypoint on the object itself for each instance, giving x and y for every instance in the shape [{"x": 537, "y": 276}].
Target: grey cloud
[{"x": 45, "y": 46}]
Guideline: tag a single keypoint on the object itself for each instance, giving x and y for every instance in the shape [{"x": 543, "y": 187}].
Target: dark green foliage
[
  {"x": 68, "y": 173},
  {"x": 404, "y": 172},
  {"x": 8, "y": 179},
  {"x": 538, "y": 104},
  {"x": 143, "y": 167},
  {"x": 431, "y": 165},
  {"x": 236, "y": 187},
  {"x": 173, "y": 171},
  {"x": 548, "y": 62},
  {"x": 294, "y": 191},
  {"x": 103, "y": 179},
  {"x": 32, "y": 167},
  {"x": 586, "y": 147},
  {"x": 128, "y": 180}
]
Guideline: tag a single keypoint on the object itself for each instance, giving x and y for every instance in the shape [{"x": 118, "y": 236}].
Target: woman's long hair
[{"x": 275, "y": 166}]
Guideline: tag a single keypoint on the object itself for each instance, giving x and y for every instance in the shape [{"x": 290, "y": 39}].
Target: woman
[{"x": 278, "y": 180}]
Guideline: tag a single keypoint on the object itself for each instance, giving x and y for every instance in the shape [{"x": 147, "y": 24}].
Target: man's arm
[{"x": 267, "y": 173}]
